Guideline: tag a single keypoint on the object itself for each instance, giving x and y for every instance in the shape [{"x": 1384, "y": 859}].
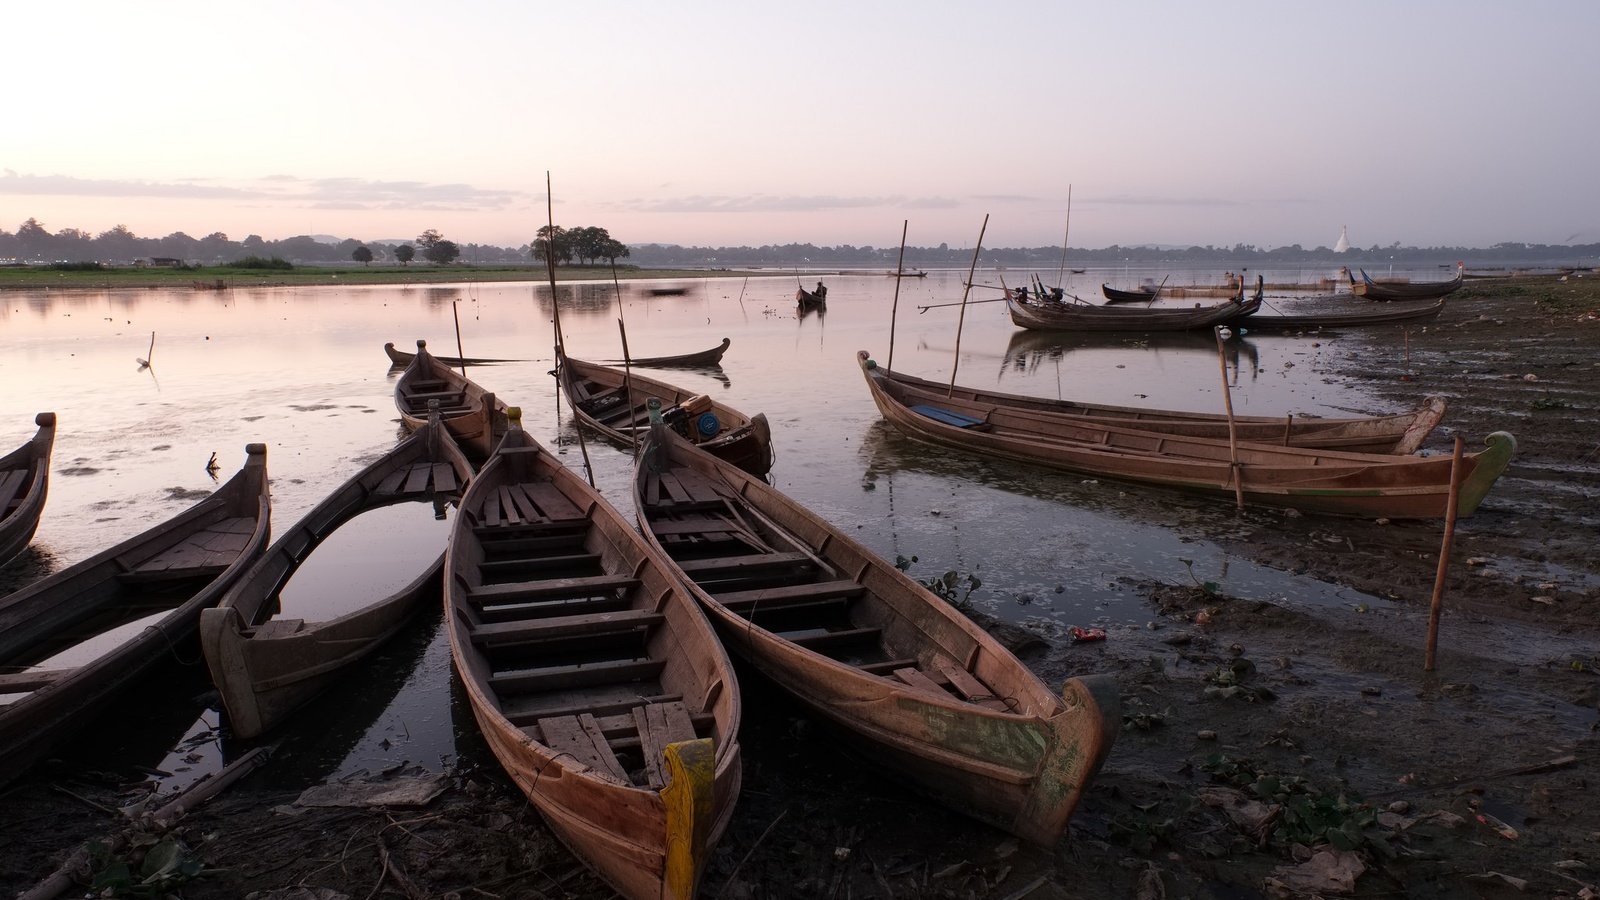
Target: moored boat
[
  {"x": 903, "y": 675},
  {"x": 399, "y": 359},
  {"x": 712, "y": 357},
  {"x": 597, "y": 682},
  {"x": 72, "y": 641},
  {"x": 1048, "y": 315},
  {"x": 1116, "y": 295},
  {"x": 1345, "y": 317},
  {"x": 812, "y": 299},
  {"x": 1399, "y": 433},
  {"x": 613, "y": 402},
  {"x": 1310, "y": 480},
  {"x": 472, "y": 415},
  {"x": 24, "y": 484},
  {"x": 1428, "y": 290},
  {"x": 266, "y": 663}
]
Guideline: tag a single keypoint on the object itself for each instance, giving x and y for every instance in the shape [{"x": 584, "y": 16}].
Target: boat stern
[
  {"x": 1426, "y": 420},
  {"x": 1081, "y": 736},
  {"x": 1487, "y": 465}
]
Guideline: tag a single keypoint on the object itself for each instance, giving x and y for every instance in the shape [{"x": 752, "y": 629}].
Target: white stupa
[{"x": 1344, "y": 241}]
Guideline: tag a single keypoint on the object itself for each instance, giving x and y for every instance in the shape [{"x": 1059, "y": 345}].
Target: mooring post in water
[
  {"x": 894, "y": 308},
  {"x": 963, "y": 318},
  {"x": 459, "y": 352},
  {"x": 1437, "y": 606},
  {"x": 1233, "y": 436}
]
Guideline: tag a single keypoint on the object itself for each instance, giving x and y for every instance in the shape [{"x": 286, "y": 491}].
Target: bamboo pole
[
  {"x": 462, "y": 354},
  {"x": 555, "y": 307},
  {"x": 1061, "y": 272},
  {"x": 627, "y": 363},
  {"x": 955, "y": 363},
  {"x": 1234, "y": 468},
  {"x": 894, "y": 309},
  {"x": 1436, "y": 607}
]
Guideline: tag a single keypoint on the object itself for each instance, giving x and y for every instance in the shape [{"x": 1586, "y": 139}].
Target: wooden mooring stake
[{"x": 1437, "y": 606}]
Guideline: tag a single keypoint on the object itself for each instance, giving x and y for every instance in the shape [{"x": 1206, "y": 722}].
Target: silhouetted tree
[
  {"x": 556, "y": 235},
  {"x": 405, "y": 253},
  {"x": 362, "y": 254},
  {"x": 436, "y": 249}
]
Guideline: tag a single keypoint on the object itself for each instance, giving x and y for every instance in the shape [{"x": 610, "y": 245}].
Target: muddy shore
[{"x": 1267, "y": 749}]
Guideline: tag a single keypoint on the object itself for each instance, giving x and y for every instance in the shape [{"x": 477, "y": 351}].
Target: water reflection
[{"x": 1029, "y": 351}]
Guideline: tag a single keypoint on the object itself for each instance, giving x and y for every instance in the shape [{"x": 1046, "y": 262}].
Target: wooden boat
[
  {"x": 71, "y": 641},
  {"x": 1310, "y": 480},
  {"x": 901, "y": 673},
  {"x": 266, "y": 665},
  {"x": 1373, "y": 290},
  {"x": 613, "y": 403},
  {"x": 24, "y": 482},
  {"x": 810, "y": 300},
  {"x": 597, "y": 682},
  {"x": 712, "y": 357},
  {"x": 904, "y": 274},
  {"x": 400, "y": 359},
  {"x": 1053, "y": 316},
  {"x": 1346, "y": 317},
  {"x": 671, "y": 291},
  {"x": 1113, "y": 295},
  {"x": 1400, "y": 433},
  {"x": 472, "y": 415}
]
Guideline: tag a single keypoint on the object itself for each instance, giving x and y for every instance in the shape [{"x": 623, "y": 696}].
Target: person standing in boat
[{"x": 821, "y": 292}]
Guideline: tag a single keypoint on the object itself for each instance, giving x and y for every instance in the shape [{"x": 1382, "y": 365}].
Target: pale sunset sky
[{"x": 1266, "y": 123}]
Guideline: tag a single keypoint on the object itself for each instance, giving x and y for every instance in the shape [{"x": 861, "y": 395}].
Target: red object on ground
[{"x": 1087, "y": 634}]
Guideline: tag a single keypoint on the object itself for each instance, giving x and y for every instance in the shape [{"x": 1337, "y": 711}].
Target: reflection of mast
[{"x": 1343, "y": 246}]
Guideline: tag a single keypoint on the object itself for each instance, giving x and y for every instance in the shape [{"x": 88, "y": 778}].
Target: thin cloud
[
  {"x": 320, "y": 193},
  {"x": 1198, "y": 202},
  {"x": 765, "y": 203},
  {"x": 67, "y": 186}
]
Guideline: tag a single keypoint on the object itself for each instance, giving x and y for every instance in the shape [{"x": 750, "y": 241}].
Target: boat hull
[{"x": 24, "y": 485}]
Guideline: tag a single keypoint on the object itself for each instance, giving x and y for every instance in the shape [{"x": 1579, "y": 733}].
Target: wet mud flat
[{"x": 1268, "y": 748}]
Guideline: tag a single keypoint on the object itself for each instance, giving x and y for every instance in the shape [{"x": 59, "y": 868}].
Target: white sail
[{"x": 1344, "y": 241}]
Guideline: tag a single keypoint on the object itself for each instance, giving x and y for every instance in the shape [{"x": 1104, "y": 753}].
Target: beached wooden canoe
[
  {"x": 71, "y": 641},
  {"x": 1328, "y": 481},
  {"x": 903, "y": 675},
  {"x": 612, "y": 402},
  {"x": 1344, "y": 317},
  {"x": 1400, "y": 433},
  {"x": 267, "y": 665},
  {"x": 399, "y": 359},
  {"x": 712, "y": 357},
  {"x": 597, "y": 682},
  {"x": 1369, "y": 289},
  {"x": 472, "y": 415},
  {"x": 1050, "y": 315},
  {"x": 24, "y": 483}
]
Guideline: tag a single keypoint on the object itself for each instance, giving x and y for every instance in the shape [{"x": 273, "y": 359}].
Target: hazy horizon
[{"x": 719, "y": 124}]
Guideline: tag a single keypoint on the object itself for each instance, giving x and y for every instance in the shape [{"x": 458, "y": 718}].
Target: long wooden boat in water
[
  {"x": 399, "y": 359},
  {"x": 712, "y": 357},
  {"x": 472, "y": 415},
  {"x": 597, "y": 682},
  {"x": 1051, "y": 315},
  {"x": 1428, "y": 290},
  {"x": 267, "y": 665},
  {"x": 1400, "y": 433},
  {"x": 1115, "y": 295},
  {"x": 903, "y": 675},
  {"x": 613, "y": 402},
  {"x": 72, "y": 641},
  {"x": 1345, "y": 317},
  {"x": 811, "y": 299},
  {"x": 1328, "y": 481},
  {"x": 24, "y": 483}
]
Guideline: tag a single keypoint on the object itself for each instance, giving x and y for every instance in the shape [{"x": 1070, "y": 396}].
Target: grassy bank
[{"x": 36, "y": 278}]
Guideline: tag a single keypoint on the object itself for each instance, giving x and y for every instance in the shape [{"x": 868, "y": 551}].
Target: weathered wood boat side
[
  {"x": 613, "y": 402},
  {"x": 160, "y": 580},
  {"x": 1400, "y": 433},
  {"x": 473, "y": 416},
  {"x": 1049, "y": 315},
  {"x": 266, "y": 666},
  {"x": 24, "y": 485},
  {"x": 905, "y": 677},
  {"x": 1327, "y": 481},
  {"x": 598, "y": 684}
]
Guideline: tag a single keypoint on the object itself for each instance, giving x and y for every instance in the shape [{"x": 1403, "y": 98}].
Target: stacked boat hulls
[{"x": 595, "y": 655}]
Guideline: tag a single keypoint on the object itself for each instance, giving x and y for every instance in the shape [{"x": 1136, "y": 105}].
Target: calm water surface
[{"x": 302, "y": 369}]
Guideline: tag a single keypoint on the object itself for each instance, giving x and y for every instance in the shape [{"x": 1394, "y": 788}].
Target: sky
[{"x": 1421, "y": 123}]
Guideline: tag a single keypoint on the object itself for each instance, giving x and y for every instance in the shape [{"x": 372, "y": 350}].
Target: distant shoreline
[{"x": 36, "y": 278}]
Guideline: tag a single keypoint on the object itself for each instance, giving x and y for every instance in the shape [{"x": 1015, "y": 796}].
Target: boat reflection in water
[{"x": 1028, "y": 351}]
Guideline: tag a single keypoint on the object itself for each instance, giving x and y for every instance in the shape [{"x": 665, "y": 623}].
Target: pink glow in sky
[{"x": 1426, "y": 124}]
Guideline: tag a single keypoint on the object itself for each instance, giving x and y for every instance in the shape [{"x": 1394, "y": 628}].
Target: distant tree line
[{"x": 589, "y": 245}]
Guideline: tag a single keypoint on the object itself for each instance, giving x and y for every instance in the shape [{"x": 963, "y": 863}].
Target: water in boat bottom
[{"x": 367, "y": 558}]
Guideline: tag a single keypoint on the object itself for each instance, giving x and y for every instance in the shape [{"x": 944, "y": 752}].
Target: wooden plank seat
[
  {"x": 887, "y": 667},
  {"x": 505, "y": 565},
  {"x": 204, "y": 554},
  {"x": 950, "y": 417},
  {"x": 551, "y": 589},
  {"x": 418, "y": 478},
  {"x": 658, "y": 725},
  {"x": 528, "y": 503},
  {"x": 823, "y": 593},
  {"x": 969, "y": 688},
  {"x": 542, "y": 538},
  {"x": 720, "y": 567},
  {"x": 580, "y": 675},
  {"x": 837, "y": 640},
  {"x": 560, "y": 627},
  {"x": 580, "y": 737}
]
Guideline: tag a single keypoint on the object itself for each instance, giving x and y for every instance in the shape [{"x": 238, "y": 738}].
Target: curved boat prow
[
  {"x": 691, "y": 773},
  {"x": 1487, "y": 466},
  {"x": 1080, "y": 738},
  {"x": 1428, "y": 418}
]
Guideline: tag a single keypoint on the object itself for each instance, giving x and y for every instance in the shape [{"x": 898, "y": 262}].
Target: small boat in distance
[
  {"x": 1115, "y": 295},
  {"x": 902, "y": 674},
  {"x": 1051, "y": 315},
  {"x": 904, "y": 274},
  {"x": 266, "y": 665},
  {"x": 24, "y": 484},
  {"x": 712, "y": 357},
  {"x": 812, "y": 299},
  {"x": 596, "y": 681},
  {"x": 400, "y": 359},
  {"x": 72, "y": 641}
]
